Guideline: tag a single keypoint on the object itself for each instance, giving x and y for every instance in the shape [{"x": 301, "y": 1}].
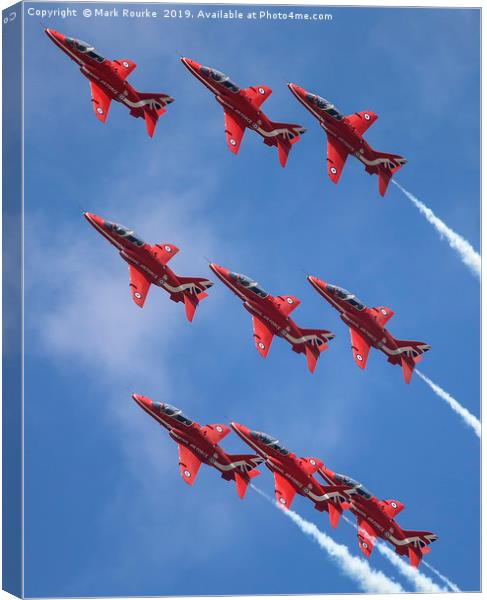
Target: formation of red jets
[
  {"x": 148, "y": 264},
  {"x": 293, "y": 475},
  {"x": 241, "y": 107},
  {"x": 270, "y": 314}
]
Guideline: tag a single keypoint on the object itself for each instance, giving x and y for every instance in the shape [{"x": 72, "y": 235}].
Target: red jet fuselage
[
  {"x": 270, "y": 316},
  {"x": 375, "y": 518},
  {"x": 108, "y": 81},
  {"x": 242, "y": 110},
  {"x": 367, "y": 329},
  {"x": 148, "y": 265},
  {"x": 199, "y": 444},
  {"x": 292, "y": 474},
  {"x": 345, "y": 136}
]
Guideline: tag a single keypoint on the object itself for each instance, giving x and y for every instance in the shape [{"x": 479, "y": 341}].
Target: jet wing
[
  {"x": 382, "y": 314},
  {"x": 101, "y": 101},
  {"x": 234, "y": 129},
  {"x": 215, "y": 433},
  {"x": 124, "y": 67},
  {"x": 361, "y": 121},
  {"x": 164, "y": 252},
  {"x": 366, "y": 537},
  {"x": 337, "y": 155},
  {"x": 285, "y": 492},
  {"x": 262, "y": 336},
  {"x": 139, "y": 286},
  {"x": 189, "y": 464},
  {"x": 360, "y": 348},
  {"x": 258, "y": 94},
  {"x": 286, "y": 304}
]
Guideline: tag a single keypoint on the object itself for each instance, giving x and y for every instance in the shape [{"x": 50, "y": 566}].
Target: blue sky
[{"x": 106, "y": 511}]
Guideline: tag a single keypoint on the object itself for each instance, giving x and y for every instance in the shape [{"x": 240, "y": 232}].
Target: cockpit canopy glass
[
  {"x": 270, "y": 441},
  {"x": 323, "y": 104},
  {"x": 85, "y": 48},
  {"x": 249, "y": 283},
  {"x": 124, "y": 232},
  {"x": 359, "y": 488},
  {"x": 175, "y": 413},
  {"x": 221, "y": 78},
  {"x": 346, "y": 296}
]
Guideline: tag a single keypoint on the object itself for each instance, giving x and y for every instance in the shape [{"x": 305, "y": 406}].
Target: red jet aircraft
[
  {"x": 148, "y": 264},
  {"x": 241, "y": 108},
  {"x": 367, "y": 328},
  {"x": 345, "y": 136},
  {"x": 108, "y": 82},
  {"x": 375, "y": 518},
  {"x": 197, "y": 444},
  {"x": 270, "y": 317},
  {"x": 293, "y": 474}
]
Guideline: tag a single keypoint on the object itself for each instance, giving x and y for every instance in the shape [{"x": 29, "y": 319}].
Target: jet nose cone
[
  {"x": 142, "y": 400},
  {"x": 240, "y": 429},
  {"x": 191, "y": 64},
  {"x": 52, "y": 33},
  {"x": 298, "y": 91},
  {"x": 317, "y": 282},
  {"x": 221, "y": 271},
  {"x": 92, "y": 218}
]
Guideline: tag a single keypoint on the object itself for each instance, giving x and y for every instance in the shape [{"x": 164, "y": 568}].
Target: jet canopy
[
  {"x": 324, "y": 105},
  {"x": 174, "y": 412},
  {"x": 221, "y": 78},
  {"x": 125, "y": 233},
  {"x": 84, "y": 48},
  {"x": 270, "y": 441},
  {"x": 359, "y": 488},
  {"x": 346, "y": 296},
  {"x": 249, "y": 283}
]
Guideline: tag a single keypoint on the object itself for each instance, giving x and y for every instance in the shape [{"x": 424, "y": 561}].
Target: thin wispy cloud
[
  {"x": 467, "y": 416},
  {"x": 470, "y": 257},
  {"x": 368, "y": 579}
]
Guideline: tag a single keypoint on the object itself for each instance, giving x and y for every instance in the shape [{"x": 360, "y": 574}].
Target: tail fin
[
  {"x": 243, "y": 470},
  {"x": 385, "y": 165},
  {"x": 151, "y": 106},
  {"x": 315, "y": 341},
  {"x": 285, "y": 135},
  {"x": 335, "y": 511},
  {"x": 190, "y": 291},
  {"x": 409, "y": 353},
  {"x": 417, "y": 543},
  {"x": 242, "y": 482}
]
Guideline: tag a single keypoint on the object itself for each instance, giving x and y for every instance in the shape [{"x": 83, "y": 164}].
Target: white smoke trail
[
  {"x": 421, "y": 582},
  {"x": 453, "y": 586},
  {"x": 368, "y": 580},
  {"x": 467, "y": 253},
  {"x": 467, "y": 416}
]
